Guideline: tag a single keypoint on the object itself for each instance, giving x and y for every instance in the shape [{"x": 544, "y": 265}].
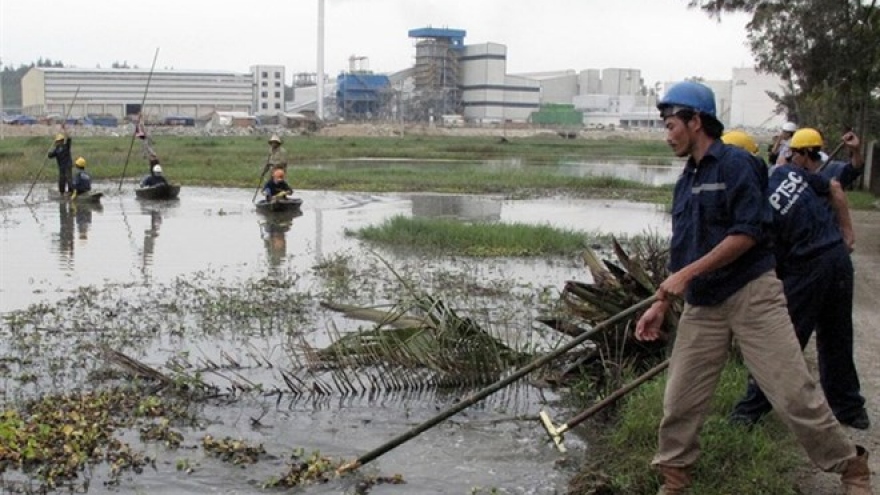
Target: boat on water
[
  {"x": 280, "y": 205},
  {"x": 85, "y": 198},
  {"x": 158, "y": 192}
]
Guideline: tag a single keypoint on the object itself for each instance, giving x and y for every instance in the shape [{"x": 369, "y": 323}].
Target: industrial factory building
[
  {"x": 449, "y": 83},
  {"x": 120, "y": 92}
]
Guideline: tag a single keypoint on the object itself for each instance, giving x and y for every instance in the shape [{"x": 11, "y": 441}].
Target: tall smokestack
[{"x": 320, "y": 59}]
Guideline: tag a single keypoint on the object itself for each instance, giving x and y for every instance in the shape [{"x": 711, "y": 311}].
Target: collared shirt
[
  {"x": 844, "y": 172},
  {"x": 804, "y": 224},
  {"x": 725, "y": 194}
]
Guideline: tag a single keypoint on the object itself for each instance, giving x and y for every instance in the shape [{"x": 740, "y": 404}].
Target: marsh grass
[
  {"x": 764, "y": 459},
  {"x": 477, "y": 239},
  {"x": 445, "y": 164}
]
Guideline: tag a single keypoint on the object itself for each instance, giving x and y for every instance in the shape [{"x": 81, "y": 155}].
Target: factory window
[
  {"x": 277, "y": 84},
  {"x": 265, "y": 75},
  {"x": 265, "y": 105},
  {"x": 278, "y": 106},
  {"x": 277, "y": 75},
  {"x": 278, "y": 94},
  {"x": 264, "y": 84},
  {"x": 264, "y": 94}
]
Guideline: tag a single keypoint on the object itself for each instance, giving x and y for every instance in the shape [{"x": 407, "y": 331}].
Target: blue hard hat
[{"x": 687, "y": 95}]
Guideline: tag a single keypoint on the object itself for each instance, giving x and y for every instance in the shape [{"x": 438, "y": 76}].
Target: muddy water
[{"x": 164, "y": 271}]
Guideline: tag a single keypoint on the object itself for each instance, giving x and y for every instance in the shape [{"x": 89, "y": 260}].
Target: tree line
[{"x": 827, "y": 52}]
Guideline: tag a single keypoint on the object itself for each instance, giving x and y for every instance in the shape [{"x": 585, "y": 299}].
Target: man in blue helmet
[{"x": 722, "y": 264}]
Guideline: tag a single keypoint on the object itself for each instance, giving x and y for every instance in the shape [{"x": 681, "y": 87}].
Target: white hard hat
[
  {"x": 157, "y": 169},
  {"x": 789, "y": 127}
]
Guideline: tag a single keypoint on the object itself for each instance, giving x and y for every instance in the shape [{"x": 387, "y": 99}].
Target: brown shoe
[
  {"x": 675, "y": 480},
  {"x": 856, "y": 476}
]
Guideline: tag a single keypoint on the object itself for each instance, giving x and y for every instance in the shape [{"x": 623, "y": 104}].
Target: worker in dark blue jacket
[
  {"x": 721, "y": 262},
  {"x": 82, "y": 182},
  {"x": 812, "y": 241},
  {"x": 846, "y": 172},
  {"x": 61, "y": 153},
  {"x": 277, "y": 187}
]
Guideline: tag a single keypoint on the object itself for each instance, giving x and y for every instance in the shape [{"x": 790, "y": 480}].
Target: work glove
[
  {"x": 281, "y": 194},
  {"x": 73, "y": 196}
]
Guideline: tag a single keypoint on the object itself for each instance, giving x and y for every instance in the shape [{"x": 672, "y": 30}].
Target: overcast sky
[{"x": 663, "y": 38}]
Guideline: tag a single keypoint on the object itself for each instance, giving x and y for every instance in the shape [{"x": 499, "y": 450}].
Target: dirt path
[{"x": 866, "y": 318}]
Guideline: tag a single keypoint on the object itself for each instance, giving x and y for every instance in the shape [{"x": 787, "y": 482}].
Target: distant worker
[
  {"x": 741, "y": 139},
  {"x": 61, "y": 153},
  {"x": 155, "y": 178},
  {"x": 810, "y": 142},
  {"x": 82, "y": 183},
  {"x": 277, "y": 155},
  {"x": 779, "y": 149},
  {"x": 277, "y": 187}
]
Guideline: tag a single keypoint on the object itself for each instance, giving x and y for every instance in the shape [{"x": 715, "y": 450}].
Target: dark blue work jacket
[
  {"x": 61, "y": 154},
  {"x": 272, "y": 188},
  {"x": 82, "y": 182},
  {"x": 844, "y": 172},
  {"x": 805, "y": 225},
  {"x": 724, "y": 195}
]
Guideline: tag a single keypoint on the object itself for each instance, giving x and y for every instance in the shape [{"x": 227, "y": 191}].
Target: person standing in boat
[
  {"x": 276, "y": 187},
  {"x": 61, "y": 153},
  {"x": 155, "y": 178},
  {"x": 277, "y": 158},
  {"x": 82, "y": 182}
]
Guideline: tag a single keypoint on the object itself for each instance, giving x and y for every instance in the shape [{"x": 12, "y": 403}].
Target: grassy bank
[
  {"x": 446, "y": 164},
  {"x": 456, "y": 238},
  {"x": 765, "y": 459}
]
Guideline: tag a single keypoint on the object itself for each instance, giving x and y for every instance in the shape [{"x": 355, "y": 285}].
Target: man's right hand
[{"x": 650, "y": 325}]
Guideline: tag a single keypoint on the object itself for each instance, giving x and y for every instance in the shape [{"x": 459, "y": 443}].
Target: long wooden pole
[
  {"x": 491, "y": 389},
  {"x": 46, "y": 157},
  {"x": 140, "y": 116},
  {"x": 262, "y": 174}
]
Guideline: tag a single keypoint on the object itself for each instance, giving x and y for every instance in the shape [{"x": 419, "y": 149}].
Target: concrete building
[
  {"x": 489, "y": 94},
  {"x": 120, "y": 92},
  {"x": 750, "y": 105},
  {"x": 268, "y": 89}
]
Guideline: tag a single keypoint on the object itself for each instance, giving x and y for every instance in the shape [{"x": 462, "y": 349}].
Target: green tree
[
  {"x": 826, "y": 51},
  {"x": 11, "y": 81}
]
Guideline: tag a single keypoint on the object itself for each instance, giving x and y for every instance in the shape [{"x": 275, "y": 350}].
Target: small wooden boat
[
  {"x": 280, "y": 205},
  {"x": 86, "y": 197},
  {"x": 159, "y": 191}
]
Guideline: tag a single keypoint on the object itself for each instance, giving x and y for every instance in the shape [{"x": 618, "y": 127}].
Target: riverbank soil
[{"x": 866, "y": 319}]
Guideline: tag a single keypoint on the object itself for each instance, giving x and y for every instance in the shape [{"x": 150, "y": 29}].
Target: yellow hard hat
[
  {"x": 740, "y": 139},
  {"x": 59, "y": 137},
  {"x": 80, "y": 162},
  {"x": 275, "y": 139},
  {"x": 806, "y": 138}
]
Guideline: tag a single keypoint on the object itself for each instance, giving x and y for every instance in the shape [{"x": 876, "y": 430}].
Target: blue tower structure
[
  {"x": 436, "y": 75},
  {"x": 361, "y": 95}
]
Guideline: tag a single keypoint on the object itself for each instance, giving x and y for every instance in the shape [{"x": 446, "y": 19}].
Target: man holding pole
[
  {"x": 722, "y": 264},
  {"x": 61, "y": 153}
]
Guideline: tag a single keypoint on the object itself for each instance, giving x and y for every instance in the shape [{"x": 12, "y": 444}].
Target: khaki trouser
[{"x": 756, "y": 316}]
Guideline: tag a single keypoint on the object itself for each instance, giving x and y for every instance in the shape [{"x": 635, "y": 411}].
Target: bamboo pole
[
  {"x": 482, "y": 394},
  {"x": 140, "y": 116}
]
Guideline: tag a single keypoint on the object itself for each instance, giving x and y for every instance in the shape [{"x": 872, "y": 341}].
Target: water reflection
[
  {"x": 83, "y": 215},
  {"x": 273, "y": 231},
  {"x": 65, "y": 236},
  {"x": 459, "y": 207},
  {"x": 652, "y": 175},
  {"x": 150, "y": 236}
]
